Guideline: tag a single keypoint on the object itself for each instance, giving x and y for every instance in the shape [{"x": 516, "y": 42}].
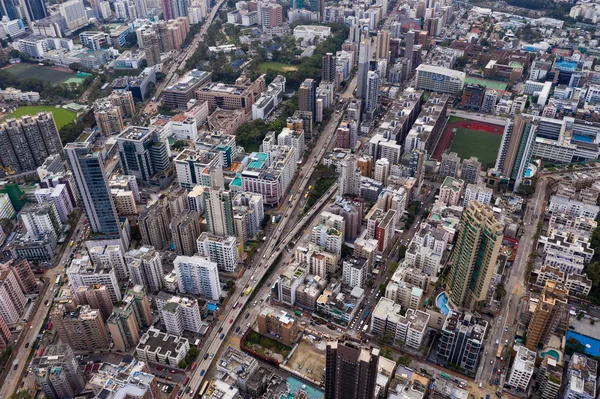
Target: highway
[
  {"x": 187, "y": 53},
  {"x": 270, "y": 250}
]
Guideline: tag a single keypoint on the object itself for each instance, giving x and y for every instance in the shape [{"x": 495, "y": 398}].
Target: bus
[
  {"x": 445, "y": 376},
  {"x": 186, "y": 381},
  {"x": 499, "y": 353},
  {"x": 203, "y": 389},
  {"x": 235, "y": 305}
]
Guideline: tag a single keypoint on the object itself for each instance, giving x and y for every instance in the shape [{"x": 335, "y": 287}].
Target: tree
[
  {"x": 404, "y": 361},
  {"x": 500, "y": 292},
  {"x": 402, "y": 251},
  {"x": 386, "y": 352},
  {"x": 178, "y": 145},
  {"x": 182, "y": 364}
]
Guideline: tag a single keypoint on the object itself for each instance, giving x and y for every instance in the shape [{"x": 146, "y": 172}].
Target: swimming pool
[
  {"x": 592, "y": 346},
  {"x": 442, "y": 303},
  {"x": 585, "y": 139},
  {"x": 550, "y": 352},
  {"x": 295, "y": 385},
  {"x": 528, "y": 172}
]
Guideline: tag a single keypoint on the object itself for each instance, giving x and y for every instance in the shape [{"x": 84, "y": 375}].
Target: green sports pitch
[
  {"x": 61, "y": 116},
  {"x": 475, "y": 143}
]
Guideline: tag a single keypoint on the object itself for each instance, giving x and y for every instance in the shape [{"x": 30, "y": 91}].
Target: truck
[
  {"x": 499, "y": 353},
  {"x": 298, "y": 313}
]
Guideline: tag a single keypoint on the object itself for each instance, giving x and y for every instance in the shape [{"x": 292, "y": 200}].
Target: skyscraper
[
  {"x": 372, "y": 93},
  {"x": 58, "y": 373},
  {"x": 549, "y": 313},
  {"x": 473, "y": 260},
  {"x": 383, "y": 44},
  {"x": 92, "y": 184},
  {"x": 26, "y": 142},
  {"x": 409, "y": 39},
  {"x": 151, "y": 46},
  {"x": 516, "y": 147},
  {"x": 307, "y": 96},
  {"x": 36, "y": 9},
  {"x": 364, "y": 58},
  {"x": 198, "y": 276},
  {"x": 328, "y": 71},
  {"x": 143, "y": 152},
  {"x": 350, "y": 371},
  {"x": 82, "y": 329},
  {"x": 218, "y": 207}
]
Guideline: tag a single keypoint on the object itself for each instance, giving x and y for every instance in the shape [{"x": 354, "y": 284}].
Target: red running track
[{"x": 448, "y": 134}]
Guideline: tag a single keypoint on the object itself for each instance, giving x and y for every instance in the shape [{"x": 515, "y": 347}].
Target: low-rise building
[
  {"x": 162, "y": 348},
  {"x": 278, "y": 325}
]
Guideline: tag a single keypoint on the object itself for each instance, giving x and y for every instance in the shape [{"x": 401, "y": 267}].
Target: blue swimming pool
[
  {"x": 585, "y": 139},
  {"x": 528, "y": 172},
  {"x": 295, "y": 385},
  {"x": 592, "y": 346},
  {"x": 442, "y": 303}
]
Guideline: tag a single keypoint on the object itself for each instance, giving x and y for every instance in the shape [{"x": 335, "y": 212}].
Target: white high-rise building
[
  {"x": 478, "y": 192},
  {"x": 12, "y": 299},
  {"x": 179, "y": 314},
  {"x": 382, "y": 170},
  {"x": 83, "y": 273},
  {"x": 224, "y": 251},
  {"x": 42, "y": 218},
  {"x": 355, "y": 272},
  {"x": 349, "y": 182},
  {"x": 109, "y": 256},
  {"x": 145, "y": 268},
  {"x": 199, "y": 168},
  {"x": 199, "y": 276},
  {"x": 74, "y": 13},
  {"x": 522, "y": 368}
]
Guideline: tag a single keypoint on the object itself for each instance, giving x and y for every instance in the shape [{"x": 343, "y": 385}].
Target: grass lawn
[
  {"x": 453, "y": 119},
  {"x": 483, "y": 145},
  {"x": 25, "y": 70},
  {"x": 264, "y": 345},
  {"x": 277, "y": 66},
  {"x": 61, "y": 116}
]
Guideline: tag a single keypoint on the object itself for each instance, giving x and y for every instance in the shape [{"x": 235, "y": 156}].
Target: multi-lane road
[{"x": 270, "y": 250}]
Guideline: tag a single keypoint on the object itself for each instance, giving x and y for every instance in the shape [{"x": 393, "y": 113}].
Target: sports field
[
  {"x": 488, "y": 84},
  {"x": 48, "y": 74},
  {"x": 61, "y": 116},
  {"x": 483, "y": 145},
  {"x": 277, "y": 66}
]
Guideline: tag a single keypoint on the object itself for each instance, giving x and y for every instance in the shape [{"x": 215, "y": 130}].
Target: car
[
  {"x": 27, "y": 345},
  {"x": 220, "y": 329},
  {"x": 491, "y": 362},
  {"x": 230, "y": 321},
  {"x": 247, "y": 315},
  {"x": 237, "y": 329},
  {"x": 506, "y": 342},
  {"x": 497, "y": 342},
  {"x": 505, "y": 329},
  {"x": 16, "y": 367},
  {"x": 202, "y": 373},
  {"x": 222, "y": 336}
]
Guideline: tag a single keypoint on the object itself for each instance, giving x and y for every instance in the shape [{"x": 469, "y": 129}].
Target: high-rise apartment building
[
  {"x": 12, "y": 300},
  {"x": 26, "y": 142},
  {"x": 74, "y": 14},
  {"x": 82, "y": 329},
  {"x": 143, "y": 152},
  {"x": 41, "y": 218},
  {"x": 383, "y": 44},
  {"x": 23, "y": 273},
  {"x": 473, "y": 260},
  {"x": 522, "y": 368},
  {"x": 57, "y": 372},
  {"x": 151, "y": 46},
  {"x": 83, "y": 273},
  {"x": 145, "y": 268},
  {"x": 350, "y": 371},
  {"x": 372, "y": 93},
  {"x": 550, "y": 313},
  {"x": 92, "y": 184},
  {"x": 470, "y": 169},
  {"x": 154, "y": 225},
  {"x": 461, "y": 340},
  {"x": 218, "y": 206},
  {"x": 185, "y": 229},
  {"x": 127, "y": 321},
  {"x": 97, "y": 297},
  {"x": 199, "y": 168},
  {"x": 307, "y": 100},
  {"x": 179, "y": 314},
  {"x": 364, "y": 59},
  {"x": 516, "y": 147},
  {"x": 110, "y": 257},
  {"x": 270, "y": 14},
  {"x": 224, "y": 251},
  {"x": 328, "y": 71},
  {"x": 108, "y": 117},
  {"x": 198, "y": 276}
]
